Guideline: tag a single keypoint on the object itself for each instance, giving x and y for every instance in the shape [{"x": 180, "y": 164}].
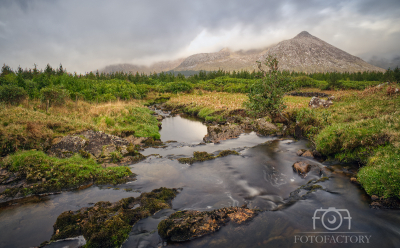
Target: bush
[
  {"x": 12, "y": 94},
  {"x": 55, "y": 95},
  {"x": 266, "y": 95},
  {"x": 176, "y": 87}
]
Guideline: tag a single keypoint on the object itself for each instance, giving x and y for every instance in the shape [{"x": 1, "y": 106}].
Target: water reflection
[{"x": 182, "y": 130}]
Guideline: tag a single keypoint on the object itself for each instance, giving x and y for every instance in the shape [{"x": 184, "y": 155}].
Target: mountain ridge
[{"x": 304, "y": 52}]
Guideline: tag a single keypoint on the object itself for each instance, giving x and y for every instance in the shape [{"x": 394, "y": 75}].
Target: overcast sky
[{"x": 88, "y": 35}]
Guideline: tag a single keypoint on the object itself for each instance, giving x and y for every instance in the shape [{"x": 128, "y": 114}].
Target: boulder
[
  {"x": 308, "y": 154},
  {"x": 302, "y": 167},
  {"x": 263, "y": 127},
  {"x": 217, "y": 133},
  {"x": 316, "y": 102}
]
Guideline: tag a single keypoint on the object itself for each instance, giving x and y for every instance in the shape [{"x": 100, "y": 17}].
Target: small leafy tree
[
  {"x": 56, "y": 95},
  {"x": 266, "y": 95}
]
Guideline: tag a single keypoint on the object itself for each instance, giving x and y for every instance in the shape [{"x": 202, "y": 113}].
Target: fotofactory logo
[{"x": 337, "y": 222}]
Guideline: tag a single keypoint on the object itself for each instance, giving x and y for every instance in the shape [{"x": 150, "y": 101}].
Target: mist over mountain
[
  {"x": 156, "y": 67},
  {"x": 385, "y": 63},
  {"x": 304, "y": 52}
]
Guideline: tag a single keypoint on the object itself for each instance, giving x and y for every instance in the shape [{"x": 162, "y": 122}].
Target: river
[{"x": 260, "y": 177}]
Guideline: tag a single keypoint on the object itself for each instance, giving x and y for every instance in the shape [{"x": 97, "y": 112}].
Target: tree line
[{"x": 57, "y": 85}]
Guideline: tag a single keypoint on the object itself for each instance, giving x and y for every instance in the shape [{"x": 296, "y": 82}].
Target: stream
[{"x": 336, "y": 215}]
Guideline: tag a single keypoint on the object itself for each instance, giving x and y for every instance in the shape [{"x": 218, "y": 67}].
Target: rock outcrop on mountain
[{"x": 304, "y": 52}]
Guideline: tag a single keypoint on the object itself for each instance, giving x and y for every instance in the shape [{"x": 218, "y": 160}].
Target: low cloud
[{"x": 88, "y": 35}]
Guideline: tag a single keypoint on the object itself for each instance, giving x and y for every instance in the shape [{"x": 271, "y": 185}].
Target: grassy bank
[
  {"x": 40, "y": 173},
  {"x": 28, "y": 130},
  {"x": 218, "y": 106},
  {"x": 28, "y": 126},
  {"x": 361, "y": 126}
]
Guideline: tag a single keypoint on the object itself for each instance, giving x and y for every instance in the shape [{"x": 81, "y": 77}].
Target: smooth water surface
[
  {"x": 261, "y": 177},
  {"x": 182, "y": 130}
]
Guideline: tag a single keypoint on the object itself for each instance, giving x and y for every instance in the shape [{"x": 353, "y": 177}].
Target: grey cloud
[{"x": 86, "y": 35}]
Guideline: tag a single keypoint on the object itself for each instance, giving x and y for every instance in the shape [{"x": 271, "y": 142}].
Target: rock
[
  {"x": 135, "y": 140},
  {"x": 263, "y": 127},
  {"x": 308, "y": 154},
  {"x": 376, "y": 205},
  {"x": 391, "y": 90},
  {"x": 217, "y": 133},
  {"x": 374, "y": 197},
  {"x": 315, "y": 102},
  {"x": 302, "y": 167},
  {"x": 189, "y": 224},
  {"x": 300, "y": 152},
  {"x": 67, "y": 146},
  {"x": 97, "y": 144},
  {"x": 354, "y": 180},
  {"x": 204, "y": 156},
  {"x": 331, "y": 98}
]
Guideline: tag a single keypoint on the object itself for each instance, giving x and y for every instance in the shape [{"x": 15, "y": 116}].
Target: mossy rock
[
  {"x": 190, "y": 224},
  {"x": 204, "y": 156},
  {"x": 108, "y": 224}
]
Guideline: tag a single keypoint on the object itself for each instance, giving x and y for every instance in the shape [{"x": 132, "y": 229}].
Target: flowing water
[{"x": 261, "y": 177}]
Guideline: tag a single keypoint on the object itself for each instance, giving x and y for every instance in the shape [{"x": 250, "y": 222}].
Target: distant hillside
[
  {"x": 304, "y": 52},
  {"x": 156, "y": 67}
]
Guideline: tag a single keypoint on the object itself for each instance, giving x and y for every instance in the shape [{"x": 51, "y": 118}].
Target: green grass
[
  {"x": 136, "y": 119},
  {"x": 361, "y": 126},
  {"x": 28, "y": 126},
  {"x": 381, "y": 175},
  {"x": 45, "y": 173}
]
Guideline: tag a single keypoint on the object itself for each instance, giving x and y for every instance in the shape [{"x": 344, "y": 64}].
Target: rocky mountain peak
[{"x": 304, "y": 34}]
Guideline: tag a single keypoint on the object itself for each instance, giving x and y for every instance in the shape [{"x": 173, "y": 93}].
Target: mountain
[
  {"x": 304, "y": 52},
  {"x": 156, "y": 67},
  {"x": 309, "y": 54}
]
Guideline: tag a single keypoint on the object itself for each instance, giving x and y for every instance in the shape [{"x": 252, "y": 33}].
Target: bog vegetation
[{"x": 362, "y": 125}]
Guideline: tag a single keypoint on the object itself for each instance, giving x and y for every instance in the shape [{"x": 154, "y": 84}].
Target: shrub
[
  {"x": 176, "y": 87},
  {"x": 12, "y": 94},
  {"x": 266, "y": 95},
  {"x": 55, "y": 95}
]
